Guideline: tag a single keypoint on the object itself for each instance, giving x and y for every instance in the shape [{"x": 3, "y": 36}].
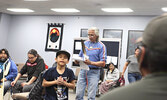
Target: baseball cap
[
  {"x": 63, "y": 52},
  {"x": 155, "y": 34}
]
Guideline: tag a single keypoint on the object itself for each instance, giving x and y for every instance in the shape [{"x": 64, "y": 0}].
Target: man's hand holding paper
[
  {"x": 81, "y": 62},
  {"x": 87, "y": 61}
]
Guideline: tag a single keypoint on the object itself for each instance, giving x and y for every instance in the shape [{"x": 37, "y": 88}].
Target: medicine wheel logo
[{"x": 54, "y": 35}]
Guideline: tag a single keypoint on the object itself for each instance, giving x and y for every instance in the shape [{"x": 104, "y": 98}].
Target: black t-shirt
[
  {"x": 57, "y": 92},
  {"x": 33, "y": 69}
]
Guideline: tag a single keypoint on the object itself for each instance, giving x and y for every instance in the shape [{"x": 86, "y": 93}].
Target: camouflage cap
[{"x": 155, "y": 34}]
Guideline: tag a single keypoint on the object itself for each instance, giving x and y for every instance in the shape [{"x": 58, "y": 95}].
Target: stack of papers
[{"x": 81, "y": 62}]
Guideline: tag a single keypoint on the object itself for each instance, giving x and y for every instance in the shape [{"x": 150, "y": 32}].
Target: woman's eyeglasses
[{"x": 31, "y": 57}]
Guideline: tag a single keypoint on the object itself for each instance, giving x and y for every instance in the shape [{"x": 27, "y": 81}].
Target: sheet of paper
[
  {"x": 77, "y": 45},
  {"x": 108, "y": 59},
  {"x": 114, "y": 60},
  {"x": 76, "y": 57},
  {"x": 83, "y": 65},
  {"x": 81, "y": 62}
]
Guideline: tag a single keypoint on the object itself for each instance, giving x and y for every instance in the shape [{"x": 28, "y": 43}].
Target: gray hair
[{"x": 95, "y": 29}]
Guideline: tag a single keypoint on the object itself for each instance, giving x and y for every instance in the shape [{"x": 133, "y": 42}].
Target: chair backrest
[
  {"x": 102, "y": 72},
  {"x": 36, "y": 92},
  {"x": 20, "y": 96},
  {"x": 46, "y": 66},
  {"x": 19, "y": 66}
]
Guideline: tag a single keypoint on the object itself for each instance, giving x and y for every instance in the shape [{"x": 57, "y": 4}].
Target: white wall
[
  {"x": 28, "y": 32},
  {"x": 4, "y": 28}
]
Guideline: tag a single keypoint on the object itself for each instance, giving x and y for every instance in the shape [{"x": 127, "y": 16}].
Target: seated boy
[{"x": 58, "y": 79}]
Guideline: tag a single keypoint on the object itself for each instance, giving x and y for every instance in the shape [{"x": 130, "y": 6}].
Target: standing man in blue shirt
[
  {"x": 96, "y": 52},
  {"x": 8, "y": 68}
]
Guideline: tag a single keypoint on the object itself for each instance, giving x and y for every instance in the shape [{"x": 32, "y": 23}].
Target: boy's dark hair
[
  {"x": 6, "y": 52},
  {"x": 63, "y": 52}
]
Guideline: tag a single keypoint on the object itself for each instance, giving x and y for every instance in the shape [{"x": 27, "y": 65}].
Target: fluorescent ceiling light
[
  {"x": 117, "y": 9},
  {"x": 36, "y": 0},
  {"x": 65, "y": 10},
  {"x": 20, "y": 9},
  {"x": 164, "y": 9}
]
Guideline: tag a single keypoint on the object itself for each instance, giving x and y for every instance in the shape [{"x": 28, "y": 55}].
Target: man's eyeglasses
[{"x": 91, "y": 35}]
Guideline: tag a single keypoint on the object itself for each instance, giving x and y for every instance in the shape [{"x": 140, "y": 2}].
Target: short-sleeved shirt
[
  {"x": 133, "y": 66},
  {"x": 33, "y": 69},
  {"x": 57, "y": 92},
  {"x": 96, "y": 52}
]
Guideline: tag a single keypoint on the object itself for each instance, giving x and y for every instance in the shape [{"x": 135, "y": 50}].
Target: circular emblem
[{"x": 54, "y": 35}]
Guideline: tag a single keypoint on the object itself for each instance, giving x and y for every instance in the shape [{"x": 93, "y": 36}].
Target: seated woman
[
  {"x": 111, "y": 77},
  {"x": 33, "y": 67}
]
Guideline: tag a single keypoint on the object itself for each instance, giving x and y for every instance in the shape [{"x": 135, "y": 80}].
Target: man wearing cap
[
  {"x": 58, "y": 79},
  {"x": 96, "y": 51},
  {"x": 153, "y": 66}
]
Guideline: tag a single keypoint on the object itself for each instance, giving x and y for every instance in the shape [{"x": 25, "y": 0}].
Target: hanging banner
[{"x": 54, "y": 37}]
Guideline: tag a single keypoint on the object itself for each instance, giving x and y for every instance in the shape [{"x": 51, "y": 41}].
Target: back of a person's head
[{"x": 154, "y": 40}]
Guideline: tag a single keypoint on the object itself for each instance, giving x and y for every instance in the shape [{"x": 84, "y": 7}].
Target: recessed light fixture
[
  {"x": 117, "y": 9},
  {"x": 36, "y": 0},
  {"x": 65, "y": 10},
  {"x": 20, "y": 9},
  {"x": 164, "y": 9}
]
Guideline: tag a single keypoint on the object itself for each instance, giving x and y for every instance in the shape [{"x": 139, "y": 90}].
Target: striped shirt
[{"x": 96, "y": 52}]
